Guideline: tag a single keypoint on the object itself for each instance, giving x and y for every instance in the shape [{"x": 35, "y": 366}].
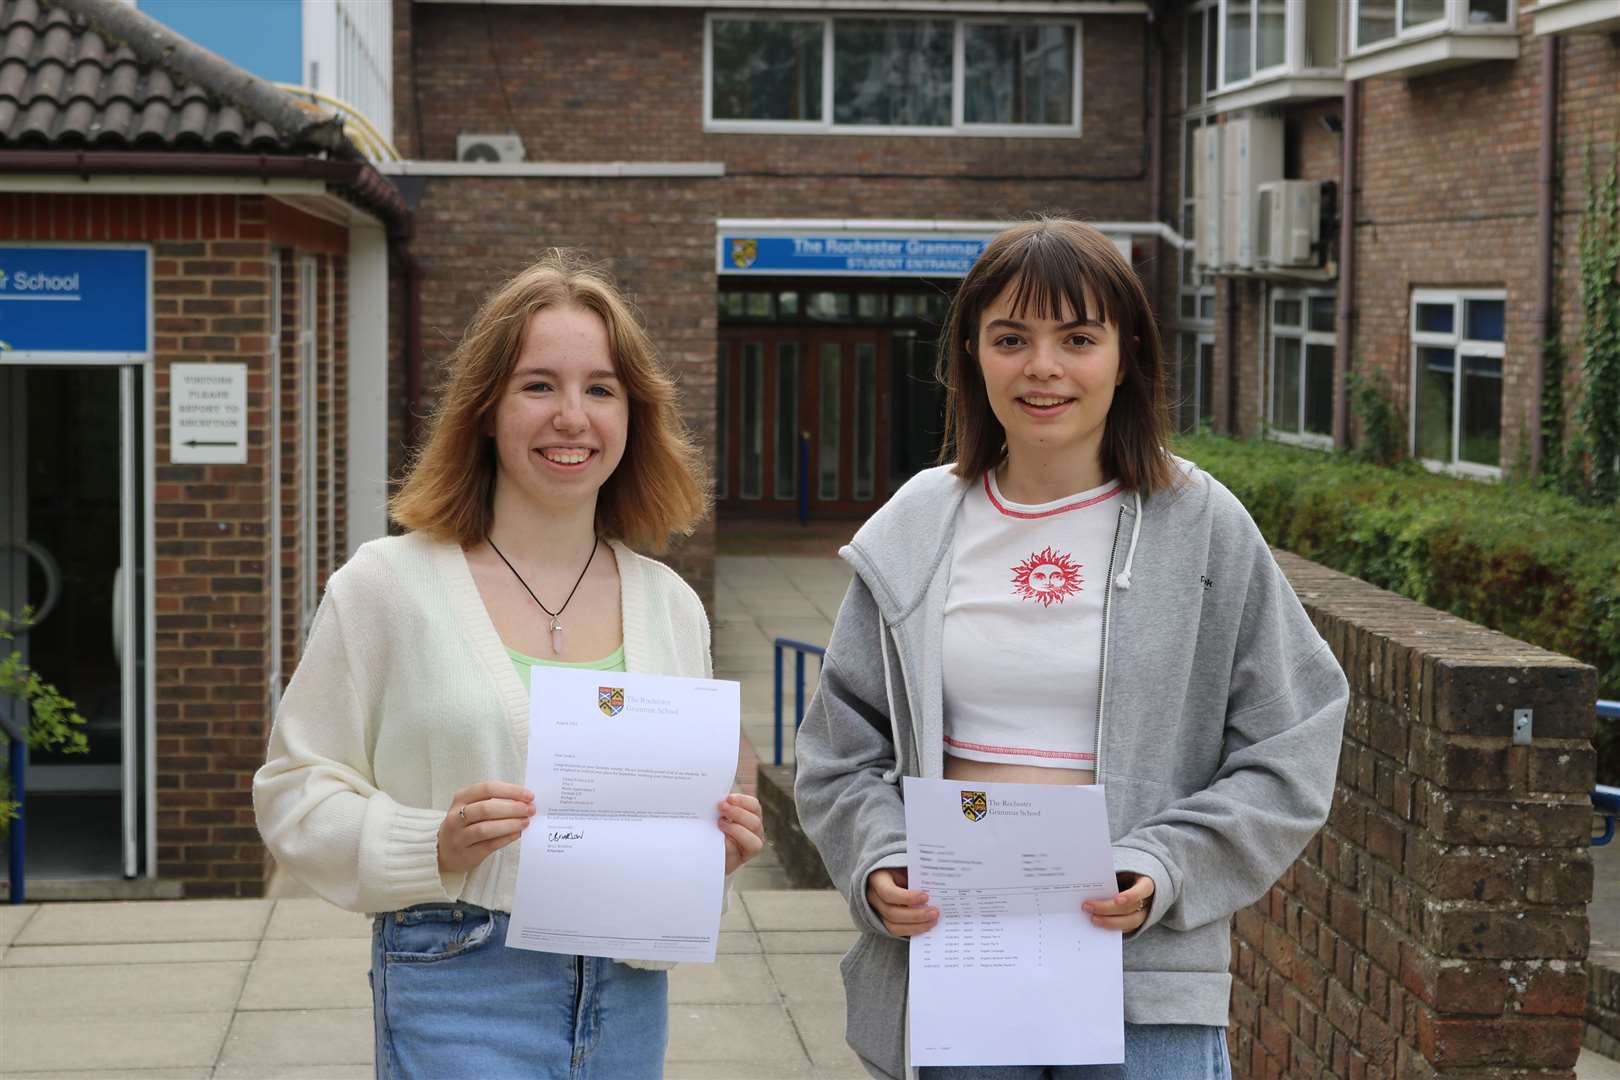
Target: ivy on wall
[{"x": 1592, "y": 467}]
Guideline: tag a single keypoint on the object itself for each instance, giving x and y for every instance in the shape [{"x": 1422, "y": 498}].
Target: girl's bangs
[{"x": 1049, "y": 278}]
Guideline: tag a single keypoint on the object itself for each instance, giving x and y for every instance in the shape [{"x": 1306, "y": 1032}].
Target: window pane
[
  {"x": 871, "y": 306},
  {"x": 1285, "y": 384},
  {"x": 786, "y": 484},
  {"x": 1436, "y": 368},
  {"x": 1273, "y": 45},
  {"x": 1416, "y": 12},
  {"x": 1321, "y": 33},
  {"x": 1019, "y": 74},
  {"x": 1236, "y": 39},
  {"x": 1481, "y": 411},
  {"x": 1206, "y": 381},
  {"x": 1319, "y": 389},
  {"x": 892, "y": 72},
  {"x": 865, "y": 420},
  {"x": 1487, "y": 11},
  {"x": 1375, "y": 21},
  {"x": 1485, "y": 319},
  {"x": 1323, "y": 310},
  {"x": 731, "y": 305},
  {"x": 1212, "y": 47},
  {"x": 758, "y": 305},
  {"x": 1288, "y": 312},
  {"x": 905, "y": 306},
  {"x": 1436, "y": 318},
  {"x": 1185, "y": 406},
  {"x": 828, "y": 436},
  {"x": 767, "y": 70},
  {"x": 829, "y": 305},
  {"x": 753, "y": 420},
  {"x": 787, "y": 304},
  {"x": 1195, "y": 60},
  {"x": 1206, "y": 306},
  {"x": 722, "y": 423}
]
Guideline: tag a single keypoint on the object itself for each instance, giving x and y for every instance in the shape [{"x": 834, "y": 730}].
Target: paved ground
[{"x": 276, "y": 988}]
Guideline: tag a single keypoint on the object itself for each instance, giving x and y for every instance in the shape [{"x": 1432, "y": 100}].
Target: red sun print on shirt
[{"x": 1048, "y": 576}]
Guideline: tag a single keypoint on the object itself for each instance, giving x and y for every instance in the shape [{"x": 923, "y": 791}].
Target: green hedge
[{"x": 1532, "y": 564}]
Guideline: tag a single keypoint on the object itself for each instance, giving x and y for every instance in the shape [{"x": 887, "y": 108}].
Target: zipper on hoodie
[{"x": 1102, "y": 669}]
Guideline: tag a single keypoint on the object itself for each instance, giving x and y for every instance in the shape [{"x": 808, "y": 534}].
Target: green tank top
[{"x": 614, "y": 661}]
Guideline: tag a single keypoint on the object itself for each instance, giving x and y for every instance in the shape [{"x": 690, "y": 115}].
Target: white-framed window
[
  {"x": 1299, "y": 394},
  {"x": 1192, "y": 396},
  {"x": 891, "y": 75},
  {"x": 1381, "y": 22},
  {"x": 1261, "y": 39},
  {"x": 1457, "y": 353},
  {"x": 1195, "y": 301}
]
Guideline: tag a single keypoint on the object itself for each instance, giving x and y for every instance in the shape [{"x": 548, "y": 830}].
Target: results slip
[
  {"x": 624, "y": 858},
  {"x": 1013, "y": 973}
]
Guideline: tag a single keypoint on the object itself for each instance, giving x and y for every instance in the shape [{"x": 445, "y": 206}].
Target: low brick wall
[{"x": 1436, "y": 926}]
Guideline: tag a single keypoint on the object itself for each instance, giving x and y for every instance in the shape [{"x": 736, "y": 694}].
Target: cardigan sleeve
[{"x": 318, "y": 807}]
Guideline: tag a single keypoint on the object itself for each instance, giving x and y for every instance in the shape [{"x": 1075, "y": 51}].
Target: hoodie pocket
[{"x": 875, "y": 975}]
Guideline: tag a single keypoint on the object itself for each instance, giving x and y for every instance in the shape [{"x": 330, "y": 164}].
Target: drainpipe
[
  {"x": 1347, "y": 268},
  {"x": 1156, "y": 143},
  {"x": 1545, "y": 192}
]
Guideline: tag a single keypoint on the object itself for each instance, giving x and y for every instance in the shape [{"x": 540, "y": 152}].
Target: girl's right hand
[
  {"x": 482, "y": 818},
  {"x": 904, "y": 911}
]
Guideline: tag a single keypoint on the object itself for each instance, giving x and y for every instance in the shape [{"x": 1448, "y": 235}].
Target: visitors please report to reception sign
[
  {"x": 1014, "y": 973},
  {"x": 625, "y": 858}
]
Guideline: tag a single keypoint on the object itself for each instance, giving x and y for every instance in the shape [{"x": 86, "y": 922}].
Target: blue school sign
[
  {"x": 849, "y": 254},
  {"x": 86, "y": 303}
]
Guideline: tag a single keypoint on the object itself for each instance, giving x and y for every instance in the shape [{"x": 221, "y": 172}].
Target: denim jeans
[
  {"x": 450, "y": 1000},
  {"x": 1152, "y": 1052}
]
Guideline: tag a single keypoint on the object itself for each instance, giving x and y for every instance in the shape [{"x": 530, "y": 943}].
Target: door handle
[{"x": 53, "y": 581}]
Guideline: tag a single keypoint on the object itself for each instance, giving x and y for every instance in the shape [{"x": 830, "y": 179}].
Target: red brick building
[{"x": 188, "y": 451}]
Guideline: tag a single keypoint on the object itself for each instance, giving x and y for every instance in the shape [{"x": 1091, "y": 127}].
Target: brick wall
[
  {"x": 212, "y": 265},
  {"x": 1436, "y": 926}
]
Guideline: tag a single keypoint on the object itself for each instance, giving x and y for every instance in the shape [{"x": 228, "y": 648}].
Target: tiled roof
[{"x": 67, "y": 83}]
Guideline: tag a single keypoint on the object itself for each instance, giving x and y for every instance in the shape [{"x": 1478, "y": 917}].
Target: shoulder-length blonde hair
[
  {"x": 1053, "y": 264},
  {"x": 659, "y": 488}
]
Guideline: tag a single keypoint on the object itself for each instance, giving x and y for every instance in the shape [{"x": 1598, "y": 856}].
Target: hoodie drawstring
[{"x": 1123, "y": 579}]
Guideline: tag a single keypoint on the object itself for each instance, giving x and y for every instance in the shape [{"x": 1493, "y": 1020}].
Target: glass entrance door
[{"x": 70, "y": 514}]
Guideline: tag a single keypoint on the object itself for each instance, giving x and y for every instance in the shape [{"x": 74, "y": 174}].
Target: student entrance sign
[
  {"x": 89, "y": 303},
  {"x": 849, "y": 254}
]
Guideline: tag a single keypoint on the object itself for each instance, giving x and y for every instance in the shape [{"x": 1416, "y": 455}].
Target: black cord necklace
[{"x": 556, "y": 627}]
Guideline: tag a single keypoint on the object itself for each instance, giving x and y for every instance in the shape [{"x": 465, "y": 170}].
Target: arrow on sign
[{"x": 200, "y": 442}]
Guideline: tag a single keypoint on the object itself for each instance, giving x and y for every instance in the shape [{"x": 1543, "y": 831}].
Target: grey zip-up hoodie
[{"x": 1220, "y": 715}]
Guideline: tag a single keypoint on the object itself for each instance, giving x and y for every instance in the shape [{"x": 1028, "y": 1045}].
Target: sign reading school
[
  {"x": 847, "y": 254},
  {"x": 91, "y": 302}
]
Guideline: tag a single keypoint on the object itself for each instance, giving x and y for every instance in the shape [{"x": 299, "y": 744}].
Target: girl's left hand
[
  {"x": 740, "y": 820},
  {"x": 1128, "y": 910}
]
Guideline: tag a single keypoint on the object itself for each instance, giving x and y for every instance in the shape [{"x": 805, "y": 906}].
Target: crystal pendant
[{"x": 556, "y": 638}]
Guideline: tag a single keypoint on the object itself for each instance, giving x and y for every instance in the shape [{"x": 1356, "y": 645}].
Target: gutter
[
  {"x": 1546, "y": 192},
  {"x": 1347, "y": 267}
]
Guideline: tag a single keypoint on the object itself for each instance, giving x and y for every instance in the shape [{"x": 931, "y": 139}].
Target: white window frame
[
  {"x": 958, "y": 126},
  {"x": 1200, "y": 338},
  {"x": 1306, "y": 338},
  {"x": 1459, "y": 343},
  {"x": 308, "y": 373},
  {"x": 1454, "y": 21},
  {"x": 1256, "y": 74}
]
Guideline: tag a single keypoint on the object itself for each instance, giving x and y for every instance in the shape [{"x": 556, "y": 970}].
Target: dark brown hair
[
  {"x": 1055, "y": 265},
  {"x": 659, "y": 488}
]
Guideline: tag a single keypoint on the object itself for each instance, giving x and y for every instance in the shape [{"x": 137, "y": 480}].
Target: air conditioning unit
[
  {"x": 1253, "y": 156},
  {"x": 1207, "y": 146},
  {"x": 1289, "y": 223},
  {"x": 504, "y": 148}
]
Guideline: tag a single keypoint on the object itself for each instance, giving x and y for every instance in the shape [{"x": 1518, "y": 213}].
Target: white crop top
[{"x": 1023, "y": 626}]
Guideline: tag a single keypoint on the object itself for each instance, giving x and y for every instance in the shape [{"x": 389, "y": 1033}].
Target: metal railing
[
  {"x": 1606, "y": 799},
  {"x": 800, "y": 651}
]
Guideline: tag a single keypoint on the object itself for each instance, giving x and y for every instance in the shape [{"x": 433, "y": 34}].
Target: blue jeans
[
  {"x": 1152, "y": 1052},
  {"x": 450, "y": 1000}
]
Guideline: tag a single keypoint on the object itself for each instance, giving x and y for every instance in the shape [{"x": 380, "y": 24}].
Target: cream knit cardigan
[{"x": 403, "y": 696}]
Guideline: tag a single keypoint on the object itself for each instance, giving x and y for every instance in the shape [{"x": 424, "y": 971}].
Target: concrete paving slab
[
  {"x": 119, "y": 1074},
  {"x": 738, "y": 942},
  {"x": 756, "y": 1035},
  {"x": 13, "y": 917},
  {"x": 319, "y": 974},
  {"x": 314, "y": 918},
  {"x": 808, "y": 941},
  {"x": 754, "y": 878},
  {"x": 135, "y": 921},
  {"x": 117, "y": 1044},
  {"x": 799, "y": 909},
  {"x": 820, "y": 1025},
  {"x": 719, "y": 1070},
  {"x": 1590, "y": 1066},
  {"x": 806, "y": 977},
  {"x": 731, "y": 980},
  {"x": 294, "y": 1072},
  {"x": 271, "y": 1040},
  {"x": 100, "y": 990},
  {"x": 160, "y": 952}
]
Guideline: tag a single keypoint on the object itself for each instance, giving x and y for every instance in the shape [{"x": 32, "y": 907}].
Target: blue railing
[
  {"x": 1605, "y": 799},
  {"x": 800, "y": 650}
]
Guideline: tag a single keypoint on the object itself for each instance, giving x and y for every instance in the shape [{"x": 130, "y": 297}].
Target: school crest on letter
[
  {"x": 974, "y": 805},
  {"x": 610, "y": 699},
  {"x": 743, "y": 253}
]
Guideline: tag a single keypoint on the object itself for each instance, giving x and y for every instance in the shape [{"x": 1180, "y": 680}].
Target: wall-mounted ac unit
[
  {"x": 1207, "y": 176},
  {"x": 1253, "y": 156},
  {"x": 1290, "y": 220},
  {"x": 489, "y": 148}
]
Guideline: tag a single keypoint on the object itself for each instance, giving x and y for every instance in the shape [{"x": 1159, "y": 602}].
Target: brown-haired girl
[
  {"x": 392, "y": 784},
  {"x": 1066, "y": 603}
]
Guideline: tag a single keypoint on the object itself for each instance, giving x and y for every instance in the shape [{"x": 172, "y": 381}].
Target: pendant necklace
[{"x": 556, "y": 626}]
